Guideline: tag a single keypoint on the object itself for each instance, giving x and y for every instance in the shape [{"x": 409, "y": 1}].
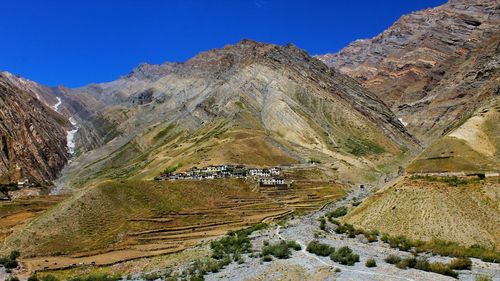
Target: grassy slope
[
  {"x": 99, "y": 217},
  {"x": 468, "y": 214},
  {"x": 118, "y": 214},
  {"x": 473, "y": 146}
]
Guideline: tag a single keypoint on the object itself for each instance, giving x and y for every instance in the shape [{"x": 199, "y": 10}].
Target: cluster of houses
[{"x": 265, "y": 176}]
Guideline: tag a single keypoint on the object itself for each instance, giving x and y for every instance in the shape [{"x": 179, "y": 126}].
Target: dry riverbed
[{"x": 306, "y": 266}]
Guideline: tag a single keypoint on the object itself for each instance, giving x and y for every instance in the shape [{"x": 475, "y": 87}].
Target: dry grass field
[
  {"x": 467, "y": 213},
  {"x": 121, "y": 220}
]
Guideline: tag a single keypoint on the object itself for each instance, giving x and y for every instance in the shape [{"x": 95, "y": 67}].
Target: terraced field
[
  {"x": 14, "y": 214},
  {"x": 118, "y": 221}
]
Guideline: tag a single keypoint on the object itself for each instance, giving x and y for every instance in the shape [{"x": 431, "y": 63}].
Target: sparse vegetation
[
  {"x": 49, "y": 277},
  {"x": 483, "y": 278},
  {"x": 170, "y": 169},
  {"x": 362, "y": 147},
  {"x": 370, "y": 262},
  {"x": 443, "y": 248},
  {"x": 320, "y": 249},
  {"x": 452, "y": 180},
  {"x": 280, "y": 250},
  {"x": 96, "y": 277},
  {"x": 461, "y": 263},
  {"x": 10, "y": 261},
  {"x": 344, "y": 256},
  {"x": 224, "y": 251},
  {"x": 392, "y": 259},
  {"x": 339, "y": 212},
  {"x": 322, "y": 223},
  {"x": 423, "y": 264}
]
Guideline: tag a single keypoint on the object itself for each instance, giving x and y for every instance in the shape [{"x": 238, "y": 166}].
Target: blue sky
[{"x": 79, "y": 42}]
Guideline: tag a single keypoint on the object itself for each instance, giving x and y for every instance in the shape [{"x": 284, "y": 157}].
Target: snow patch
[
  {"x": 70, "y": 137},
  {"x": 58, "y": 104},
  {"x": 402, "y": 122}
]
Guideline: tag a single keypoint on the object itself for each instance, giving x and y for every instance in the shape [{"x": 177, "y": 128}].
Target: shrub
[
  {"x": 14, "y": 255},
  {"x": 371, "y": 236},
  {"x": 339, "y": 212},
  {"x": 267, "y": 258},
  {"x": 33, "y": 278},
  {"x": 231, "y": 244},
  {"x": 3, "y": 260},
  {"x": 12, "y": 278},
  {"x": 322, "y": 223},
  {"x": 442, "y": 269},
  {"x": 460, "y": 263},
  {"x": 370, "y": 263},
  {"x": 392, "y": 259},
  {"x": 338, "y": 269},
  {"x": 320, "y": 249},
  {"x": 10, "y": 264},
  {"x": 422, "y": 264},
  {"x": 280, "y": 250},
  {"x": 483, "y": 278},
  {"x": 344, "y": 256}
]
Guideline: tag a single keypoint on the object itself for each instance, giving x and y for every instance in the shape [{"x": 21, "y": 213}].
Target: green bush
[
  {"x": 231, "y": 244},
  {"x": 320, "y": 249},
  {"x": 442, "y": 269},
  {"x": 33, "y": 278},
  {"x": 423, "y": 264},
  {"x": 339, "y": 212},
  {"x": 322, "y": 223},
  {"x": 392, "y": 259},
  {"x": 280, "y": 250},
  {"x": 460, "y": 263},
  {"x": 11, "y": 264},
  {"x": 370, "y": 263},
  {"x": 12, "y": 278},
  {"x": 371, "y": 236},
  {"x": 344, "y": 256},
  {"x": 14, "y": 255},
  {"x": 267, "y": 258}
]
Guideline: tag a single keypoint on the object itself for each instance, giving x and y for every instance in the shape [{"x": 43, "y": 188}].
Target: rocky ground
[{"x": 306, "y": 266}]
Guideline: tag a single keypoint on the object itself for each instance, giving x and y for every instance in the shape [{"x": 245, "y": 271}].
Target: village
[{"x": 264, "y": 176}]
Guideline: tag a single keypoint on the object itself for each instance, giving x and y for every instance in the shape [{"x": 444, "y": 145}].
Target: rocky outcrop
[
  {"x": 416, "y": 61},
  {"x": 32, "y": 135}
]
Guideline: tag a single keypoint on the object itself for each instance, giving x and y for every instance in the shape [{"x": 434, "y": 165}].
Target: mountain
[
  {"x": 249, "y": 103},
  {"x": 33, "y": 135},
  {"x": 433, "y": 67}
]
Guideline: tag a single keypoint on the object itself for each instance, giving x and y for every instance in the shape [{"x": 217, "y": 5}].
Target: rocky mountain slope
[
  {"x": 32, "y": 135},
  {"x": 433, "y": 67},
  {"x": 250, "y": 103}
]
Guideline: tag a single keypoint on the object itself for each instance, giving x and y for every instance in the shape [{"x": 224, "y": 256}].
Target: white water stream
[{"x": 70, "y": 144}]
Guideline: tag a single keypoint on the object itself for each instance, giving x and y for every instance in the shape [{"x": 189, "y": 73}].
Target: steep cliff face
[
  {"x": 422, "y": 64},
  {"x": 32, "y": 135}
]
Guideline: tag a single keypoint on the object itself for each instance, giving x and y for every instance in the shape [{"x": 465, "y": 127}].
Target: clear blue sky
[{"x": 79, "y": 42}]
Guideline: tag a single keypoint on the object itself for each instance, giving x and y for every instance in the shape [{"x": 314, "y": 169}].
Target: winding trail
[{"x": 303, "y": 250}]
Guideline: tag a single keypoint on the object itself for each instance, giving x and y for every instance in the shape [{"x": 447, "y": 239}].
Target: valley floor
[{"x": 306, "y": 266}]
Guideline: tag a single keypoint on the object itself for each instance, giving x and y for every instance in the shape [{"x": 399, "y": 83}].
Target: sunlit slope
[
  {"x": 424, "y": 209},
  {"x": 474, "y": 146}
]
